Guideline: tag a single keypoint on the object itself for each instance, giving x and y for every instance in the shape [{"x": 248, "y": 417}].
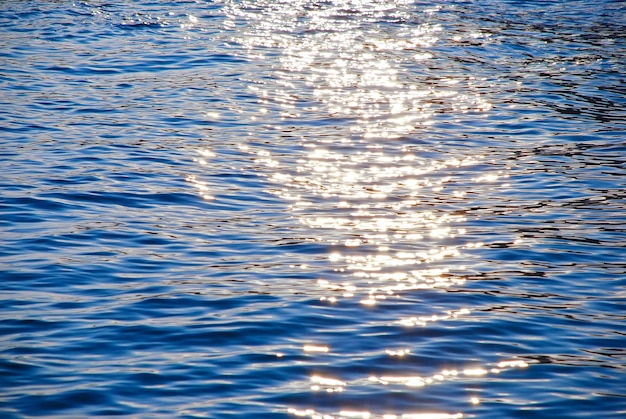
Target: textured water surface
[{"x": 320, "y": 209}]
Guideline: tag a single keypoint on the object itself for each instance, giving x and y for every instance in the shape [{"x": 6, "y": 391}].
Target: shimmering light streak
[
  {"x": 202, "y": 187},
  {"x": 399, "y": 353},
  {"x": 424, "y": 320},
  {"x": 349, "y": 414},
  {"x": 315, "y": 348},
  {"x": 329, "y": 385},
  {"x": 355, "y": 414},
  {"x": 448, "y": 374},
  {"x": 512, "y": 364},
  {"x": 385, "y": 204}
]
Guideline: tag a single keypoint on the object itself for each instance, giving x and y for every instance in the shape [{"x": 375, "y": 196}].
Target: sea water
[{"x": 318, "y": 209}]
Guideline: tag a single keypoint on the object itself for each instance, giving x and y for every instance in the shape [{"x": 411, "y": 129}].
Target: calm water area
[{"x": 333, "y": 209}]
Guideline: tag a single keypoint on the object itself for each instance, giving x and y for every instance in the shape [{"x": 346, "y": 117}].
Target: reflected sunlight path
[{"x": 382, "y": 198}]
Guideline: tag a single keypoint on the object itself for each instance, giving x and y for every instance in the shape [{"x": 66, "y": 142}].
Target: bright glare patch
[
  {"x": 354, "y": 414},
  {"x": 361, "y": 192},
  {"x": 513, "y": 364},
  {"x": 315, "y": 348},
  {"x": 329, "y": 385},
  {"x": 399, "y": 353},
  {"x": 475, "y": 372},
  {"x": 327, "y": 381}
]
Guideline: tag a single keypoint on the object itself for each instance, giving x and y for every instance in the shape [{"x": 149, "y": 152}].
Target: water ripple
[{"x": 346, "y": 209}]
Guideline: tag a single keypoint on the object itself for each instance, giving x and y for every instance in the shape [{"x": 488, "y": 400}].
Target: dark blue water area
[{"x": 318, "y": 209}]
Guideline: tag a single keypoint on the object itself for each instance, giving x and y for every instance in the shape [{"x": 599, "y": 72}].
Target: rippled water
[{"x": 319, "y": 209}]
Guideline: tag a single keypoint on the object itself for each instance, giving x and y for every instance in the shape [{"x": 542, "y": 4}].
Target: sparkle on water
[{"x": 409, "y": 210}]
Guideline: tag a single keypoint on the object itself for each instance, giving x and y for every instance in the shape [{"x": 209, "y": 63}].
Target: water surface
[{"x": 319, "y": 209}]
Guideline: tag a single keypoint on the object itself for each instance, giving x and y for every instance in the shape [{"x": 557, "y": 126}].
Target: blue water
[{"x": 320, "y": 209}]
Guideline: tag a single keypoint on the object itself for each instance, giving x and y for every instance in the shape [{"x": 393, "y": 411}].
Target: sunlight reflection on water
[
  {"x": 391, "y": 209},
  {"x": 367, "y": 196},
  {"x": 378, "y": 191}
]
